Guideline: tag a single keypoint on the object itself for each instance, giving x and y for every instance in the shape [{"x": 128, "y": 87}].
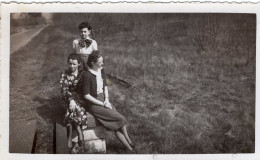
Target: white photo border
[{"x": 123, "y": 7}]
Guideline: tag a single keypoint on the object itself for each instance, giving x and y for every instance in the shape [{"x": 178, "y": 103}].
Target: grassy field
[{"x": 194, "y": 77}]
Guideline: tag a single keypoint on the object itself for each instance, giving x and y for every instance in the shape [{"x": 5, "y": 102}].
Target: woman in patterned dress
[{"x": 75, "y": 114}]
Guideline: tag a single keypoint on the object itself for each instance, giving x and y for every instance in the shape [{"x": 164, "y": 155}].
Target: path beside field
[{"x": 19, "y": 40}]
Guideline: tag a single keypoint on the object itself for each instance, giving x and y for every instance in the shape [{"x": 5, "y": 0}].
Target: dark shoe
[
  {"x": 81, "y": 146},
  {"x": 132, "y": 145},
  {"x": 77, "y": 149},
  {"x": 69, "y": 149},
  {"x": 81, "y": 143},
  {"x": 134, "y": 151}
]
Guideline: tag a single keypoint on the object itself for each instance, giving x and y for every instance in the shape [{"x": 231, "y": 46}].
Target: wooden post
[
  {"x": 61, "y": 139},
  {"x": 21, "y": 138}
]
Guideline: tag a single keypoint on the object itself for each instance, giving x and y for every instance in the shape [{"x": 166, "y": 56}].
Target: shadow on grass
[
  {"x": 51, "y": 109},
  {"x": 49, "y": 112}
]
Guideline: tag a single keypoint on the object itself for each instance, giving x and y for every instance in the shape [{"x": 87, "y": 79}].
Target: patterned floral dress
[{"x": 70, "y": 90}]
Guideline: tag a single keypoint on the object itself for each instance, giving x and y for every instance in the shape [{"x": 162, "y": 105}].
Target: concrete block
[
  {"x": 92, "y": 122},
  {"x": 95, "y": 146},
  {"x": 90, "y": 134}
]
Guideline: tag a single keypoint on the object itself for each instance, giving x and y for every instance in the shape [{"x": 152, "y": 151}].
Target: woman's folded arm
[{"x": 93, "y": 100}]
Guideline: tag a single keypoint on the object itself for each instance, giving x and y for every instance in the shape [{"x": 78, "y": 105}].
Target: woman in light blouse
[{"x": 95, "y": 91}]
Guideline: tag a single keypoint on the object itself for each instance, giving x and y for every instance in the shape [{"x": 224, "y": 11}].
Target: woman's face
[
  {"x": 73, "y": 65},
  {"x": 99, "y": 63},
  {"x": 84, "y": 33}
]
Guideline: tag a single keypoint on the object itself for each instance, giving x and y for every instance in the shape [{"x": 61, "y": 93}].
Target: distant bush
[
  {"x": 26, "y": 21},
  {"x": 233, "y": 33}
]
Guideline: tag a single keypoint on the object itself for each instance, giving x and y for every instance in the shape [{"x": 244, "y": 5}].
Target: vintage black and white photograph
[{"x": 132, "y": 83}]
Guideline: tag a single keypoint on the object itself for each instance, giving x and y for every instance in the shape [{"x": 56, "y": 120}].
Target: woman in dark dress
[{"x": 96, "y": 93}]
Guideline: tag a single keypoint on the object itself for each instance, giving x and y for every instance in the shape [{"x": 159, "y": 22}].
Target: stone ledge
[
  {"x": 95, "y": 146},
  {"x": 90, "y": 134}
]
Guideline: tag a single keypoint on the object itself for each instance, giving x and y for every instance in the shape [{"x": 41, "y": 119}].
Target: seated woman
[
  {"x": 96, "y": 93},
  {"x": 69, "y": 82}
]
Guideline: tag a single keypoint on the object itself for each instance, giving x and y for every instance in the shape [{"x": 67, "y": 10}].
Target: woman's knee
[{"x": 121, "y": 117}]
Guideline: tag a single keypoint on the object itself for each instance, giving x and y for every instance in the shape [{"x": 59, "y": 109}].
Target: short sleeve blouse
[{"x": 83, "y": 50}]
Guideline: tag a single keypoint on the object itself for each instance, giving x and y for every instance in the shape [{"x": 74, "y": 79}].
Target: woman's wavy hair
[
  {"x": 84, "y": 25},
  {"x": 75, "y": 56},
  {"x": 93, "y": 57},
  {"x": 88, "y": 26}
]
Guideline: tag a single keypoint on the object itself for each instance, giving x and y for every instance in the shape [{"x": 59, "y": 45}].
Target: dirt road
[{"x": 19, "y": 40}]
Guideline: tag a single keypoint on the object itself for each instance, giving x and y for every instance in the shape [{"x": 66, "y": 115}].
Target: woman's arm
[
  {"x": 67, "y": 96},
  {"x": 87, "y": 82},
  {"x": 106, "y": 93},
  {"x": 74, "y": 44},
  {"x": 106, "y": 102},
  {"x": 93, "y": 100},
  {"x": 64, "y": 85},
  {"x": 94, "y": 44}
]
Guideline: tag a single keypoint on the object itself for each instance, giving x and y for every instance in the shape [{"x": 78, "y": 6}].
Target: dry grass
[{"x": 187, "y": 99}]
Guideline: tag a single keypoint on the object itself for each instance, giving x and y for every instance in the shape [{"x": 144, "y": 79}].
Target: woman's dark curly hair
[
  {"x": 84, "y": 25},
  {"x": 75, "y": 56},
  {"x": 93, "y": 57}
]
